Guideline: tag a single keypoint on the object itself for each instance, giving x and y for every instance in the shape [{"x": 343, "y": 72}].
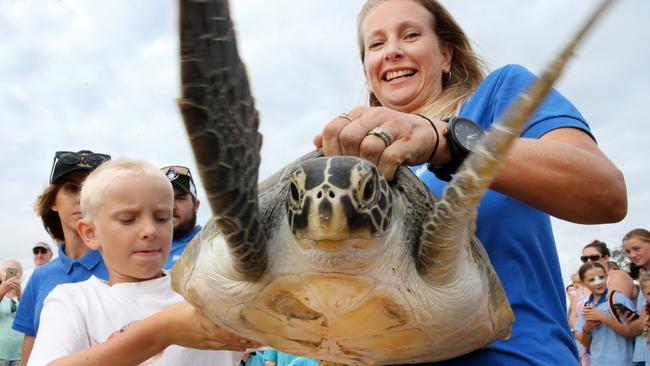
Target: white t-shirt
[{"x": 77, "y": 316}]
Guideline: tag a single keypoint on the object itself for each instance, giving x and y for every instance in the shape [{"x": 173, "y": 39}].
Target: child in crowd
[
  {"x": 127, "y": 216},
  {"x": 598, "y": 329}
]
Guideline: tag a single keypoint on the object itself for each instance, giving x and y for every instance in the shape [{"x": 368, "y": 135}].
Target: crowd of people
[
  {"x": 120, "y": 224},
  {"x": 607, "y": 307}
]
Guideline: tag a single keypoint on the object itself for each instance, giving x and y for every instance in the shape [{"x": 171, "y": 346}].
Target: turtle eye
[
  {"x": 369, "y": 190},
  {"x": 296, "y": 189},
  {"x": 295, "y": 196}
]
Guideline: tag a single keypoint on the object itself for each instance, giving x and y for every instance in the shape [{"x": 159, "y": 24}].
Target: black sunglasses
[
  {"x": 40, "y": 251},
  {"x": 67, "y": 161},
  {"x": 81, "y": 159},
  {"x": 592, "y": 258}
]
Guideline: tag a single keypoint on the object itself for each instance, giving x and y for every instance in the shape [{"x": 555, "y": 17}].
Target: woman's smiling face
[{"x": 404, "y": 60}]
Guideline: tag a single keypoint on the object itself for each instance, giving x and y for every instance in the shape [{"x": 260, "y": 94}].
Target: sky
[{"x": 103, "y": 75}]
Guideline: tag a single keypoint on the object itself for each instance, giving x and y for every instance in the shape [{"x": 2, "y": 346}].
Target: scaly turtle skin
[{"x": 326, "y": 259}]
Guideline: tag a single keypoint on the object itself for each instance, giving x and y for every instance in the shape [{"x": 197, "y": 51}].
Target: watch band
[{"x": 458, "y": 154}]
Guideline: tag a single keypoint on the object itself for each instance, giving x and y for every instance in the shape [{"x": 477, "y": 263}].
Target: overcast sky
[{"x": 103, "y": 75}]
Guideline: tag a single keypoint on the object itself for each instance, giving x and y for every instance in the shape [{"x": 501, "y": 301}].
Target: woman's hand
[
  {"x": 8, "y": 285},
  {"x": 413, "y": 138}
]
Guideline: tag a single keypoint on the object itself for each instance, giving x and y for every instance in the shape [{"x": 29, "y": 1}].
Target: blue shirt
[
  {"x": 641, "y": 351},
  {"x": 519, "y": 238},
  {"x": 60, "y": 270},
  {"x": 281, "y": 358},
  {"x": 608, "y": 348},
  {"x": 178, "y": 246}
]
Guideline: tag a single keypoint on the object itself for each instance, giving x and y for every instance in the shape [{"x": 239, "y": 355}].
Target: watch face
[{"x": 467, "y": 133}]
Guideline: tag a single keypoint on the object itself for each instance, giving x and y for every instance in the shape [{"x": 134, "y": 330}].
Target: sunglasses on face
[
  {"x": 593, "y": 258},
  {"x": 40, "y": 251},
  {"x": 178, "y": 170}
]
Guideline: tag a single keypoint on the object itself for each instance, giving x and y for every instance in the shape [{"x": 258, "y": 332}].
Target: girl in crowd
[
  {"x": 58, "y": 207},
  {"x": 618, "y": 280},
  {"x": 10, "y": 340},
  {"x": 636, "y": 245},
  {"x": 597, "y": 327},
  {"x": 420, "y": 70}
]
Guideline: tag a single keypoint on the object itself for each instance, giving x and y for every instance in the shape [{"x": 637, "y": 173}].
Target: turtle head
[{"x": 338, "y": 203}]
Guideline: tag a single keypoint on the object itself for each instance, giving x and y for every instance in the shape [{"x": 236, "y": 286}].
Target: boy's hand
[{"x": 187, "y": 327}]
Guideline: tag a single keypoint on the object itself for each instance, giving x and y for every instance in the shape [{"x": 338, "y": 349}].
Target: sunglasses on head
[
  {"x": 67, "y": 161},
  {"x": 178, "y": 170},
  {"x": 592, "y": 258},
  {"x": 40, "y": 251},
  {"x": 88, "y": 160}
]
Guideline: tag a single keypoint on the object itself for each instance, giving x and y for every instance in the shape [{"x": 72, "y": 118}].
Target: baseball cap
[
  {"x": 43, "y": 245},
  {"x": 181, "y": 177},
  {"x": 68, "y": 161}
]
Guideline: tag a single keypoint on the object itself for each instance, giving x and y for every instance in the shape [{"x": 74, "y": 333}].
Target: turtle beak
[{"x": 456, "y": 210}]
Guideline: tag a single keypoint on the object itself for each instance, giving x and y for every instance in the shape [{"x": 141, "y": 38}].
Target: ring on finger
[
  {"x": 345, "y": 115},
  {"x": 382, "y": 134}
]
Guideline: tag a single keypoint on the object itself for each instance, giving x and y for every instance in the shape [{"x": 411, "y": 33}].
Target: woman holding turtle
[{"x": 421, "y": 70}]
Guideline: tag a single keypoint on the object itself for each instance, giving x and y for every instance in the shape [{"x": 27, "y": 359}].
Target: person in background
[
  {"x": 636, "y": 244},
  {"x": 10, "y": 292},
  {"x": 618, "y": 280},
  {"x": 421, "y": 70},
  {"x": 186, "y": 206},
  {"x": 58, "y": 207},
  {"x": 42, "y": 254},
  {"x": 598, "y": 328}
]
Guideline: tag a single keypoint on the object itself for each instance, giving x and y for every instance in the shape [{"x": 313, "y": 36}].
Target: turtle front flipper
[
  {"x": 439, "y": 253},
  {"x": 221, "y": 122}
]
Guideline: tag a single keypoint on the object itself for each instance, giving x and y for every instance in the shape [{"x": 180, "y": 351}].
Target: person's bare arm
[
  {"x": 565, "y": 174},
  {"x": 179, "y": 324},
  {"x": 28, "y": 344},
  {"x": 620, "y": 281}
]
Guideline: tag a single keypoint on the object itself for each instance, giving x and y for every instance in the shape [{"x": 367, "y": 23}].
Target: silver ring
[
  {"x": 382, "y": 134},
  {"x": 345, "y": 115}
]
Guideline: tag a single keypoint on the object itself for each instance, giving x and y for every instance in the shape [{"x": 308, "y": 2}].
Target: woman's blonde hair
[
  {"x": 640, "y": 234},
  {"x": 50, "y": 218},
  {"x": 467, "y": 69}
]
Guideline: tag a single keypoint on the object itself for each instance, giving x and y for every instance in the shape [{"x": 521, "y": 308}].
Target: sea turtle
[{"x": 326, "y": 258}]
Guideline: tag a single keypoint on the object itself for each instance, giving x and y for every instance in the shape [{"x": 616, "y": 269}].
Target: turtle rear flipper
[{"x": 221, "y": 122}]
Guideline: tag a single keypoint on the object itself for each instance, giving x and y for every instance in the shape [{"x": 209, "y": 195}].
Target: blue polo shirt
[
  {"x": 519, "y": 238},
  {"x": 608, "y": 348},
  {"x": 178, "y": 246},
  {"x": 641, "y": 351},
  {"x": 60, "y": 270}
]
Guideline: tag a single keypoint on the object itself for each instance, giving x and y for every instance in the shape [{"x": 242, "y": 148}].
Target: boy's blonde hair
[{"x": 105, "y": 175}]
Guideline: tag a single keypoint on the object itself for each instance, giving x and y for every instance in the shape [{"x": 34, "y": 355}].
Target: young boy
[{"x": 127, "y": 216}]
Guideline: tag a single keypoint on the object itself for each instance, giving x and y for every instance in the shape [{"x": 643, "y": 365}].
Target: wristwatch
[{"x": 462, "y": 137}]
